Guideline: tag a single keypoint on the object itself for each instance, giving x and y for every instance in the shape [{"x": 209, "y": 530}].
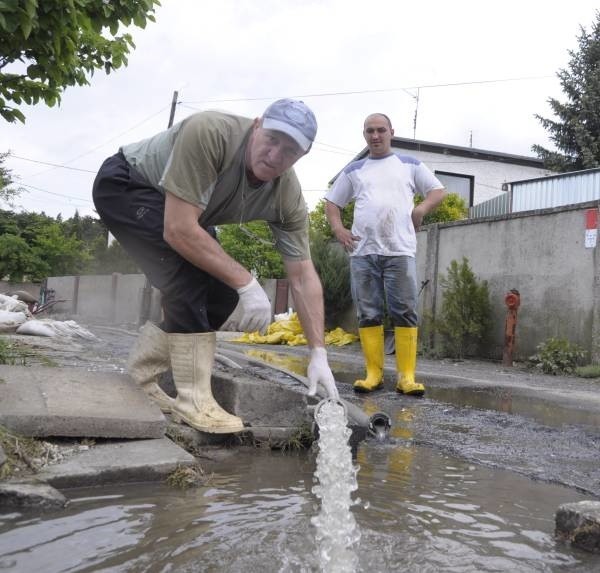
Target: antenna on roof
[
  {"x": 416, "y": 98},
  {"x": 415, "y": 118},
  {"x": 471, "y": 138}
]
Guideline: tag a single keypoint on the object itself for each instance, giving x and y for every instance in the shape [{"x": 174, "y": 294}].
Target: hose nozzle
[{"x": 379, "y": 426}]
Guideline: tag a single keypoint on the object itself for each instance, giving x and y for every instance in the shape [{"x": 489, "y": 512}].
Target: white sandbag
[
  {"x": 12, "y": 304},
  {"x": 62, "y": 328},
  {"x": 78, "y": 330},
  {"x": 36, "y": 328},
  {"x": 9, "y": 321}
]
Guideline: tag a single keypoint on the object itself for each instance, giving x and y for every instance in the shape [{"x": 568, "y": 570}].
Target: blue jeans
[{"x": 376, "y": 281}]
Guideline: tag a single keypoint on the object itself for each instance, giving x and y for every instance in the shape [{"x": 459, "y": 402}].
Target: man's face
[
  {"x": 378, "y": 135},
  {"x": 270, "y": 153}
]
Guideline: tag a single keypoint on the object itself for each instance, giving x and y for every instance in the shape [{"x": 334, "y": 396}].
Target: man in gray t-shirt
[{"x": 161, "y": 197}]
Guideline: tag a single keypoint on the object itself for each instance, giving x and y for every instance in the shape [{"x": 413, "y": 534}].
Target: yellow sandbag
[
  {"x": 339, "y": 337},
  {"x": 292, "y": 324},
  {"x": 290, "y": 332}
]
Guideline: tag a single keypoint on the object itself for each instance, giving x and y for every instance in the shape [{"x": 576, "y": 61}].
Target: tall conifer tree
[{"x": 575, "y": 131}]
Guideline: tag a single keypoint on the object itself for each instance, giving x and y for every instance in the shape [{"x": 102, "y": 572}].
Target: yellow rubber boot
[
  {"x": 192, "y": 360},
  {"x": 406, "y": 360},
  {"x": 371, "y": 340}
]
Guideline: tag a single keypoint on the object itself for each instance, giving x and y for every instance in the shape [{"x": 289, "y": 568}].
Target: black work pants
[{"x": 133, "y": 210}]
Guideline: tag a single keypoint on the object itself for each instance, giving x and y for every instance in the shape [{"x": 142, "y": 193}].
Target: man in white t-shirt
[
  {"x": 382, "y": 246},
  {"x": 160, "y": 197}
]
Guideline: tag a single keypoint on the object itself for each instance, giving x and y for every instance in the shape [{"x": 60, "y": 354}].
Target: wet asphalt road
[{"x": 555, "y": 450}]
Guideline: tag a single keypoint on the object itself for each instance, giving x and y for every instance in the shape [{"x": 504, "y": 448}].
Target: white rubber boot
[
  {"x": 192, "y": 359},
  {"x": 148, "y": 359}
]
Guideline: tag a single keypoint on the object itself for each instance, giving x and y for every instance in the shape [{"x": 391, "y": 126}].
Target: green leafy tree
[
  {"x": 53, "y": 44},
  {"x": 576, "y": 130},
  {"x": 112, "y": 259},
  {"x": 452, "y": 208},
  {"x": 64, "y": 255},
  {"x": 18, "y": 262},
  {"x": 252, "y": 246},
  {"x": 7, "y": 191},
  {"x": 319, "y": 223}
]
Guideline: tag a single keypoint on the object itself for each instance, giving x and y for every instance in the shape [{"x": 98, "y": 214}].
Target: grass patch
[
  {"x": 590, "y": 371},
  {"x": 186, "y": 477},
  {"x": 14, "y": 354},
  {"x": 23, "y": 455},
  {"x": 11, "y": 353},
  {"x": 301, "y": 439}
]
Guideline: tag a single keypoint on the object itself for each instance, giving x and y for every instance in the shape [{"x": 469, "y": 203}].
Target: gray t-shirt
[{"x": 201, "y": 160}]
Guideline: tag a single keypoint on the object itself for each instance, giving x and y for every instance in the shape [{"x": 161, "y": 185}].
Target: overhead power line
[
  {"x": 358, "y": 92},
  {"x": 56, "y": 194},
  {"x": 10, "y": 154},
  {"x": 106, "y": 142}
]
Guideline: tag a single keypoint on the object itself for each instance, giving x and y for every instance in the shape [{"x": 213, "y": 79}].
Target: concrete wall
[
  {"x": 115, "y": 299},
  {"x": 107, "y": 299},
  {"x": 32, "y": 288},
  {"x": 542, "y": 254}
]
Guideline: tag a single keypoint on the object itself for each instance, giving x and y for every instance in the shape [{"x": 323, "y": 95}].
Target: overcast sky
[{"x": 345, "y": 58}]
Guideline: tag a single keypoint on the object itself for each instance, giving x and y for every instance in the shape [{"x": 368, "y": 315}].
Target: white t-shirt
[{"x": 383, "y": 190}]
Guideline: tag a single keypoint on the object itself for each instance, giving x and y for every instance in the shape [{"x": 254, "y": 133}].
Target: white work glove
[
  {"x": 253, "y": 307},
  {"x": 320, "y": 373}
]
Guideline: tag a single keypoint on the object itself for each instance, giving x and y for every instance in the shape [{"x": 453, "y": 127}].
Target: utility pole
[{"x": 173, "y": 106}]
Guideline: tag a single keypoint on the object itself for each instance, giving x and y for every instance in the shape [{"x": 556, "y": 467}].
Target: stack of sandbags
[{"x": 13, "y": 313}]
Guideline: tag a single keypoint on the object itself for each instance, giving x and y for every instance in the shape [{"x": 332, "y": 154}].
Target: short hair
[{"x": 382, "y": 115}]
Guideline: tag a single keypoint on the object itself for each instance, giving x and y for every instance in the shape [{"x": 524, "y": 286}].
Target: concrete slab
[
  {"x": 118, "y": 462},
  {"x": 38, "y": 495},
  {"x": 43, "y": 401}
]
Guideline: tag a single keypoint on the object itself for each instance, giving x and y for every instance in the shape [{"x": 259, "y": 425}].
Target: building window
[{"x": 462, "y": 185}]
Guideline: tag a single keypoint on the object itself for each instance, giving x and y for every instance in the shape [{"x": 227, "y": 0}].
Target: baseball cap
[{"x": 294, "y": 118}]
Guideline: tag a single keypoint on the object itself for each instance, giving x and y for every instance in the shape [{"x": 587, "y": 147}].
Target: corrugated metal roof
[{"x": 556, "y": 190}]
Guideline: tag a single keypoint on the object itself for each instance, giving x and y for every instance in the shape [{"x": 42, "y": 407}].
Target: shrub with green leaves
[
  {"x": 466, "y": 311},
  {"x": 333, "y": 267},
  {"x": 557, "y": 356}
]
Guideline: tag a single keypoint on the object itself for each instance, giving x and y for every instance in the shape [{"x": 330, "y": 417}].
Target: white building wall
[{"x": 489, "y": 175}]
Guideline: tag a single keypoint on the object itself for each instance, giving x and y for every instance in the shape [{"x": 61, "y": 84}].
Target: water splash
[{"x": 337, "y": 533}]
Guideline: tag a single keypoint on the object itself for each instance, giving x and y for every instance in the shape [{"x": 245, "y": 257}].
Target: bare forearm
[
  {"x": 204, "y": 252},
  {"x": 183, "y": 234},
  {"x": 308, "y": 300}
]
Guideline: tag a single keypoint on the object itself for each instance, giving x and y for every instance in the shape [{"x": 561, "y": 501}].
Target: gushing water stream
[{"x": 337, "y": 533}]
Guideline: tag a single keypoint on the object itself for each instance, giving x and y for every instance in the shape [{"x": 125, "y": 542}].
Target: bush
[
  {"x": 466, "y": 312},
  {"x": 333, "y": 266},
  {"x": 557, "y": 356}
]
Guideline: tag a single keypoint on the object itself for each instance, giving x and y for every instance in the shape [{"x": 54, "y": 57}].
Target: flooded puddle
[
  {"x": 418, "y": 511},
  {"x": 417, "y": 508}
]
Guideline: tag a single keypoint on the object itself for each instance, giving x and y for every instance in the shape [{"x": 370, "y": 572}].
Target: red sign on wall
[
  {"x": 591, "y": 219},
  {"x": 591, "y": 228}
]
